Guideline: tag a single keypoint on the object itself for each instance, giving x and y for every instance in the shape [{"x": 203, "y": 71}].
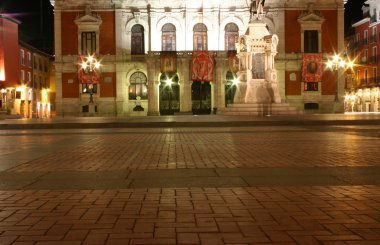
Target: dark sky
[
  {"x": 352, "y": 13},
  {"x": 39, "y": 32},
  {"x": 37, "y": 19}
]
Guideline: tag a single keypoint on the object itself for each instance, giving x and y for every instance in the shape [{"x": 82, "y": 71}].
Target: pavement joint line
[{"x": 248, "y": 177}]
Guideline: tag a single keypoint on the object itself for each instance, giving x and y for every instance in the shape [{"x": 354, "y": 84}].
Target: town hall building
[{"x": 163, "y": 57}]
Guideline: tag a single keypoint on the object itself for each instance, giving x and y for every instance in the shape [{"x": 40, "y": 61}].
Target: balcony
[
  {"x": 373, "y": 59},
  {"x": 363, "y": 60},
  {"x": 373, "y": 39},
  {"x": 374, "y": 80}
]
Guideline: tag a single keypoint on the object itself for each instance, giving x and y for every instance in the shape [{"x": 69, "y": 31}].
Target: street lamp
[
  {"x": 336, "y": 63},
  {"x": 89, "y": 66}
]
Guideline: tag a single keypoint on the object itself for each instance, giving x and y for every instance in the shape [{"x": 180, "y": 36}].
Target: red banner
[
  {"x": 88, "y": 77},
  {"x": 312, "y": 67},
  {"x": 168, "y": 62},
  {"x": 202, "y": 66}
]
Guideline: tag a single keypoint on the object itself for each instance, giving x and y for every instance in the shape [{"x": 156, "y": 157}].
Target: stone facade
[{"x": 124, "y": 54}]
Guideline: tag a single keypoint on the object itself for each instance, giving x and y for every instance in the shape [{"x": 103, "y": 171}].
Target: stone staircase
[{"x": 256, "y": 109}]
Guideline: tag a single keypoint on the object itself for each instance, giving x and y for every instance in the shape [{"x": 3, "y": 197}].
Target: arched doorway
[
  {"x": 230, "y": 88},
  {"x": 169, "y": 94},
  {"x": 201, "y": 98}
]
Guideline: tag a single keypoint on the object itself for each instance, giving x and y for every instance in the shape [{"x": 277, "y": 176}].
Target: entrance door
[
  {"x": 201, "y": 98},
  {"x": 169, "y": 95},
  {"x": 230, "y": 92}
]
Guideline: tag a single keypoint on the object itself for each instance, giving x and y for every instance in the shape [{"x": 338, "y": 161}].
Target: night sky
[{"x": 39, "y": 32}]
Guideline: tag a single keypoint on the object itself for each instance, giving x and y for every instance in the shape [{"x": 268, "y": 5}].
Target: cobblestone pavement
[{"x": 205, "y": 185}]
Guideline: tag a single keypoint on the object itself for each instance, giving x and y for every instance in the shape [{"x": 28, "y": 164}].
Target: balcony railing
[
  {"x": 363, "y": 60},
  {"x": 374, "y": 80},
  {"x": 373, "y": 38},
  {"x": 373, "y": 59}
]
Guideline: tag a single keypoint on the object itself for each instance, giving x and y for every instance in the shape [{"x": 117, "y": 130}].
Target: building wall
[
  {"x": 11, "y": 52},
  {"x": 113, "y": 23},
  {"x": 363, "y": 92}
]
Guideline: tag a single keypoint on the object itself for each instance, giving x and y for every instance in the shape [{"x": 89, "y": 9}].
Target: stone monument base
[{"x": 259, "y": 109}]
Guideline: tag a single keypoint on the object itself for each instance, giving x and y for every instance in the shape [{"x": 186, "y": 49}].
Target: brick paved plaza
[{"x": 288, "y": 184}]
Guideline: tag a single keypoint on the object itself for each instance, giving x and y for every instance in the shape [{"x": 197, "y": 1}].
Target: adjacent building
[
  {"x": 363, "y": 83},
  {"x": 24, "y": 74},
  {"x": 162, "y": 57}
]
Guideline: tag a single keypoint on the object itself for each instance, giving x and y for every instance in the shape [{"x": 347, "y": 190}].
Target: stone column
[
  {"x": 185, "y": 100},
  {"x": 153, "y": 83},
  {"x": 341, "y": 78},
  {"x": 219, "y": 98}
]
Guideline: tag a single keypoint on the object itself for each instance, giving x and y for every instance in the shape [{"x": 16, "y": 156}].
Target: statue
[{"x": 256, "y": 8}]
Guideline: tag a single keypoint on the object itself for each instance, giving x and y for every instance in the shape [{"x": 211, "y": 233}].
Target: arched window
[
  {"x": 200, "y": 37},
  {"x": 231, "y": 36},
  {"x": 138, "y": 86},
  {"x": 168, "y": 37},
  {"x": 137, "y": 39}
]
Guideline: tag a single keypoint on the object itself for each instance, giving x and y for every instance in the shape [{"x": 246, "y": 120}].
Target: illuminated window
[
  {"x": 200, "y": 37},
  {"x": 138, "y": 86},
  {"x": 88, "y": 43},
  {"x": 168, "y": 37},
  {"x": 29, "y": 59},
  {"x": 137, "y": 40},
  {"x": 231, "y": 36},
  {"x": 22, "y": 58},
  {"x": 311, "y": 41}
]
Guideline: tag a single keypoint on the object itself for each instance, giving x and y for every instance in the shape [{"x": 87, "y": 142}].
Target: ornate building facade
[{"x": 162, "y": 57}]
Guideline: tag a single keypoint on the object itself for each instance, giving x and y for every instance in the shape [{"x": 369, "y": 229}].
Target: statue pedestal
[{"x": 257, "y": 92}]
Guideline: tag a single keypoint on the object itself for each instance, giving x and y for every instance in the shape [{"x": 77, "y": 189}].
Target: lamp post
[
  {"x": 335, "y": 63},
  {"x": 89, "y": 65}
]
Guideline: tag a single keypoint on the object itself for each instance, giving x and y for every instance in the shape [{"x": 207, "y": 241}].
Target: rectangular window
[
  {"x": 34, "y": 62},
  {"x": 35, "y": 82},
  {"x": 40, "y": 65},
  {"x": 29, "y": 76},
  {"x": 29, "y": 59},
  {"x": 86, "y": 88},
  {"x": 374, "y": 75},
  {"x": 365, "y": 40},
  {"x": 366, "y": 76},
  {"x": 311, "y": 41},
  {"x": 374, "y": 34},
  {"x": 365, "y": 56},
  {"x": 22, "y": 75},
  {"x": 88, "y": 43},
  {"x": 22, "y": 58},
  {"x": 374, "y": 54},
  {"x": 311, "y": 86}
]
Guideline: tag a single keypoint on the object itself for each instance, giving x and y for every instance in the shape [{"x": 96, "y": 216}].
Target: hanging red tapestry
[
  {"x": 202, "y": 66},
  {"x": 85, "y": 75},
  {"x": 312, "y": 67},
  {"x": 88, "y": 76},
  {"x": 168, "y": 62}
]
